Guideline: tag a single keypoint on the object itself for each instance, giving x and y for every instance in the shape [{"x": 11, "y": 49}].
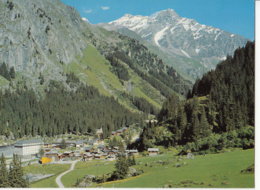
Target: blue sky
[{"x": 236, "y": 16}]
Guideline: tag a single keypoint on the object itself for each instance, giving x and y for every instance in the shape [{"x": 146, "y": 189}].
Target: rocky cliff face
[
  {"x": 182, "y": 37},
  {"x": 40, "y": 36},
  {"x": 45, "y": 41}
]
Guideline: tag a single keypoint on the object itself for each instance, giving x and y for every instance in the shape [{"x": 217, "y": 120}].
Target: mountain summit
[{"x": 194, "y": 46}]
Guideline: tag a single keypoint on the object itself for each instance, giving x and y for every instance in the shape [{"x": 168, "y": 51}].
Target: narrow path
[{"x": 58, "y": 181}]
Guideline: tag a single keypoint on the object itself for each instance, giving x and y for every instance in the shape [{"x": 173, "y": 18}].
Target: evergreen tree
[
  {"x": 121, "y": 168},
  {"x": 12, "y": 73},
  {"x": 63, "y": 144},
  {"x": 204, "y": 125},
  {"x": 3, "y": 173},
  {"x": 15, "y": 177}
]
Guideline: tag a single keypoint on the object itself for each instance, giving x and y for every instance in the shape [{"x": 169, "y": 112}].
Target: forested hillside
[
  {"x": 80, "y": 112},
  {"x": 218, "y": 113}
]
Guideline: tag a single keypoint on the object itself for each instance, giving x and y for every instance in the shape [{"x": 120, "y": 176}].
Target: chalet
[
  {"x": 153, "y": 151},
  {"x": 47, "y": 149},
  {"x": 102, "y": 147},
  {"x": 57, "y": 146},
  {"x": 87, "y": 156},
  {"x": 97, "y": 142},
  {"x": 133, "y": 152},
  {"x": 53, "y": 154},
  {"x": 61, "y": 155},
  {"x": 114, "y": 133},
  {"x": 89, "y": 149},
  {"x": 28, "y": 148},
  {"x": 47, "y": 145},
  {"x": 68, "y": 154},
  {"x": 114, "y": 152},
  {"x": 71, "y": 143},
  {"x": 79, "y": 144},
  {"x": 78, "y": 155},
  {"x": 94, "y": 152},
  {"x": 119, "y": 132},
  {"x": 107, "y": 151},
  {"x": 99, "y": 157},
  {"x": 111, "y": 157}
]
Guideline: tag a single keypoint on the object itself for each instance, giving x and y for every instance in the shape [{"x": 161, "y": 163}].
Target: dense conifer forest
[
  {"x": 218, "y": 112},
  {"x": 80, "y": 112}
]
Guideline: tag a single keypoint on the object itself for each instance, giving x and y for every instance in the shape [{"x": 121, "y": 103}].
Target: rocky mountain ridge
[{"x": 182, "y": 37}]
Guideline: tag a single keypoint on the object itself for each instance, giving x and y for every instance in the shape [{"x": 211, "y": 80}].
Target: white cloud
[
  {"x": 86, "y": 20},
  {"x": 105, "y": 8},
  {"x": 88, "y": 11}
]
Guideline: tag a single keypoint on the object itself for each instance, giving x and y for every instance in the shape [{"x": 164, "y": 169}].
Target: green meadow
[
  {"x": 97, "y": 168},
  {"x": 221, "y": 170},
  {"x": 46, "y": 169}
]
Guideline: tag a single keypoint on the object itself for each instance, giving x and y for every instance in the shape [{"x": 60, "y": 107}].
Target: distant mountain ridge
[{"x": 182, "y": 37}]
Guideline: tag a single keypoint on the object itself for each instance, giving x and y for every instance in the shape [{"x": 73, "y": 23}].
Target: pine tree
[
  {"x": 133, "y": 160},
  {"x": 63, "y": 144},
  {"x": 12, "y": 73},
  {"x": 204, "y": 125},
  {"x": 15, "y": 176},
  {"x": 3, "y": 173},
  {"x": 121, "y": 167}
]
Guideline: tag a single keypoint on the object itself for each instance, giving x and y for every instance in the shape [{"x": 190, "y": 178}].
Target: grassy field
[
  {"x": 215, "y": 170},
  {"x": 97, "y": 168},
  {"x": 221, "y": 170},
  {"x": 46, "y": 169}
]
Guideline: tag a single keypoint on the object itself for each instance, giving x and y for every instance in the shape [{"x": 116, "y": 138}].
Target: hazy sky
[{"x": 236, "y": 16}]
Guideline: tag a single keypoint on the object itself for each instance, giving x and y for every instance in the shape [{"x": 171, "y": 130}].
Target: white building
[
  {"x": 153, "y": 151},
  {"x": 28, "y": 148}
]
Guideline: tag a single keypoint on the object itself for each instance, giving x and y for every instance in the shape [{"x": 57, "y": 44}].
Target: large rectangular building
[{"x": 28, "y": 148}]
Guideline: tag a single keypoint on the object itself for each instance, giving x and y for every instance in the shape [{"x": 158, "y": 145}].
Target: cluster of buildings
[
  {"x": 90, "y": 153},
  {"x": 32, "y": 148}
]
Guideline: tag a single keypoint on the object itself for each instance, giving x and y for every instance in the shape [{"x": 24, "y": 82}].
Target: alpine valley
[{"x": 155, "y": 101}]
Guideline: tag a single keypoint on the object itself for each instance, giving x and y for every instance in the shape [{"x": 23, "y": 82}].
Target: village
[{"x": 92, "y": 148}]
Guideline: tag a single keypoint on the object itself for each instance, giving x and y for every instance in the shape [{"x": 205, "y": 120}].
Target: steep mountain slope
[
  {"x": 219, "y": 112},
  {"x": 45, "y": 41},
  {"x": 194, "y": 47}
]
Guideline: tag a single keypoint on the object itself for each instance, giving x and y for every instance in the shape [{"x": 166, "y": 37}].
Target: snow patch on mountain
[
  {"x": 217, "y": 35},
  {"x": 197, "y": 50},
  {"x": 159, "y": 35},
  {"x": 185, "y": 53}
]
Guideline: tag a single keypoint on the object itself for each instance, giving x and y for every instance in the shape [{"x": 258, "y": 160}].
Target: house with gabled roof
[
  {"x": 153, "y": 151},
  {"x": 89, "y": 149},
  {"x": 53, "y": 154}
]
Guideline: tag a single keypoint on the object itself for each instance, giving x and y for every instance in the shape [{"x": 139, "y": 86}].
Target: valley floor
[{"x": 221, "y": 170}]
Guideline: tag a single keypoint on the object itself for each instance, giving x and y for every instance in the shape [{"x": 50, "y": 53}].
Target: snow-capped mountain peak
[{"x": 182, "y": 36}]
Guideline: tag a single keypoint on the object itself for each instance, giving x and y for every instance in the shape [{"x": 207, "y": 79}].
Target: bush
[{"x": 145, "y": 153}]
